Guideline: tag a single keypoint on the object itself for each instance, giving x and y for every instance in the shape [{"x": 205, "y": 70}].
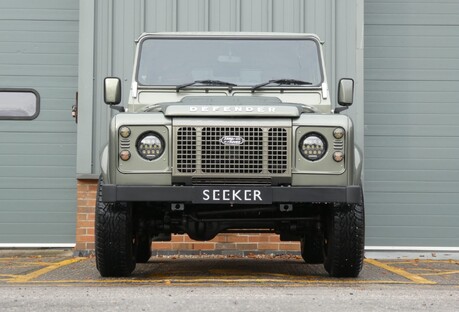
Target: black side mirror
[
  {"x": 346, "y": 92},
  {"x": 112, "y": 90}
]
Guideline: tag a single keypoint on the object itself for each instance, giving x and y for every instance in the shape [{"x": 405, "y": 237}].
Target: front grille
[
  {"x": 277, "y": 150},
  {"x": 220, "y": 158},
  {"x": 186, "y": 150},
  {"x": 247, "y": 151}
]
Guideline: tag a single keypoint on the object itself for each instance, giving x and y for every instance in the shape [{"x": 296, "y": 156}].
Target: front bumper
[{"x": 231, "y": 194}]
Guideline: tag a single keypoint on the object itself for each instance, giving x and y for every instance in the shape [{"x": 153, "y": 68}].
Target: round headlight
[
  {"x": 313, "y": 146},
  {"x": 150, "y": 146}
]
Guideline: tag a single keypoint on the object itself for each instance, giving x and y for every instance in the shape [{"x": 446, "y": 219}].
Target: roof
[{"x": 268, "y": 35}]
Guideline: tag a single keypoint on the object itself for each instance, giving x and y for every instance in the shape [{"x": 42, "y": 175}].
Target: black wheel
[
  {"x": 142, "y": 249},
  {"x": 312, "y": 246},
  {"x": 344, "y": 240},
  {"x": 114, "y": 238}
]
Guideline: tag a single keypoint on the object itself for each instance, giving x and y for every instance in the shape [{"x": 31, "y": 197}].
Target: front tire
[
  {"x": 344, "y": 240},
  {"x": 114, "y": 238}
]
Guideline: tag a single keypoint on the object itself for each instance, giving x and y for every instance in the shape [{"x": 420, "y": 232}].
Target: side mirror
[
  {"x": 346, "y": 92},
  {"x": 112, "y": 90}
]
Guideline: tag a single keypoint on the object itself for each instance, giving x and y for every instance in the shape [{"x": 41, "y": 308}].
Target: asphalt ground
[{"x": 62, "y": 269}]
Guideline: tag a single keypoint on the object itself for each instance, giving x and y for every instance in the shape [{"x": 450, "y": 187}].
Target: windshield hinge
[
  {"x": 325, "y": 91},
  {"x": 134, "y": 89}
]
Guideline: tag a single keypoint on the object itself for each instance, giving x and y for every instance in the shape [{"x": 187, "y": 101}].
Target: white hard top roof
[{"x": 273, "y": 35}]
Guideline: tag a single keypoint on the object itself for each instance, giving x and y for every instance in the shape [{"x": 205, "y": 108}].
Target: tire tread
[{"x": 113, "y": 230}]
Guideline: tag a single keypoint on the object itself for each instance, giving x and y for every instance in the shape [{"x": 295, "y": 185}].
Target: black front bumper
[{"x": 232, "y": 194}]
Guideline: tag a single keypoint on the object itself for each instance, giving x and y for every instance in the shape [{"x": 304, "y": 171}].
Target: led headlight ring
[
  {"x": 313, "y": 146},
  {"x": 150, "y": 145}
]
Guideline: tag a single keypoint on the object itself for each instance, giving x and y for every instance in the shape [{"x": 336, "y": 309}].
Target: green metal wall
[
  {"x": 39, "y": 49},
  {"x": 411, "y": 123}
]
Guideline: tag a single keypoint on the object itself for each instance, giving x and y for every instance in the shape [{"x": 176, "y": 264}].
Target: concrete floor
[{"x": 60, "y": 268}]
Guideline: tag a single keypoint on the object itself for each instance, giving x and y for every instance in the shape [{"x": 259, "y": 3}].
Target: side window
[{"x": 19, "y": 104}]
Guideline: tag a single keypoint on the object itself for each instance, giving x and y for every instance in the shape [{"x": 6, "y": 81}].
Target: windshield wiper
[
  {"x": 282, "y": 82},
  {"x": 206, "y": 82}
]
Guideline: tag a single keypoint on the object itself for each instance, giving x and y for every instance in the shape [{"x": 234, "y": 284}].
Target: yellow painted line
[
  {"x": 412, "y": 277},
  {"x": 233, "y": 276},
  {"x": 35, "y": 274},
  {"x": 8, "y": 275},
  {"x": 216, "y": 282},
  {"x": 244, "y": 278},
  {"x": 440, "y": 273},
  {"x": 29, "y": 264},
  {"x": 420, "y": 261}
]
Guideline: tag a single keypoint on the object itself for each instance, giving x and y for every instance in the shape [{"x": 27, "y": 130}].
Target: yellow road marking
[
  {"x": 420, "y": 261},
  {"x": 266, "y": 277},
  {"x": 213, "y": 282},
  {"x": 8, "y": 275},
  {"x": 35, "y": 274},
  {"x": 29, "y": 264},
  {"x": 412, "y": 277},
  {"x": 440, "y": 273},
  {"x": 236, "y": 280},
  {"x": 233, "y": 274}
]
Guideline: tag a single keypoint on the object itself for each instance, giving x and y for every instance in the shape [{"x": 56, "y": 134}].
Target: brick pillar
[
  {"x": 86, "y": 202},
  {"x": 226, "y": 244}
]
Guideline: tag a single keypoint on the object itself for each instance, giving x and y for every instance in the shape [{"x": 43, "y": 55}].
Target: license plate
[{"x": 232, "y": 195}]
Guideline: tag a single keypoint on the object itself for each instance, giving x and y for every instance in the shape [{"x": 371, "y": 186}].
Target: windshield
[{"x": 244, "y": 62}]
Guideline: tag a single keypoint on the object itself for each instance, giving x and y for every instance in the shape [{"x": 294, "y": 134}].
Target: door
[
  {"x": 38, "y": 82},
  {"x": 411, "y": 123}
]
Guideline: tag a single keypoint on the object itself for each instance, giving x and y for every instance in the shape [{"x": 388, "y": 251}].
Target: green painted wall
[
  {"x": 39, "y": 49},
  {"x": 411, "y": 123}
]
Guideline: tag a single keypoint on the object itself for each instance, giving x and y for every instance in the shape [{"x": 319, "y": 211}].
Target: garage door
[
  {"x": 38, "y": 81},
  {"x": 412, "y": 123}
]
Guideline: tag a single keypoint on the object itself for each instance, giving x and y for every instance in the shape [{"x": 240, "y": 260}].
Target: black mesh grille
[
  {"x": 232, "y": 150},
  {"x": 220, "y": 158},
  {"x": 277, "y": 150},
  {"x": 186, "y": 150}
]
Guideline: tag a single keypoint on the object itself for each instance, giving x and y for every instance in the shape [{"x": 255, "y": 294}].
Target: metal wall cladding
[
  {"x": 411, "y": 122},
  {"x": 39, "y": 50}
]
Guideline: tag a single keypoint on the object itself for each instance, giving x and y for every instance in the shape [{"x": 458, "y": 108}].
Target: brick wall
[
  {"x": 86, "y": 202},
  {"x": 223, "y": 244}
]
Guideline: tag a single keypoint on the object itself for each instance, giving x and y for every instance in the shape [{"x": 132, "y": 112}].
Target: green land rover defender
[{"x": 230, "y": 133}]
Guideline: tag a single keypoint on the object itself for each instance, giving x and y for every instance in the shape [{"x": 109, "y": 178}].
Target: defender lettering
[{"x": 233, "y": 109}]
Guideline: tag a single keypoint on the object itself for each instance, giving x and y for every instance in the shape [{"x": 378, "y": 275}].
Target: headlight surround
[
  {"x": 313, "y": 146},
  {"x": 150, "y": 145}
]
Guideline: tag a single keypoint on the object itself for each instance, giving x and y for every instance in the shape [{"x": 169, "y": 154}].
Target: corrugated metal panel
[
  {"x": 118, "y": 23},
  {"x": 39, "y": 49},
  {"x": 411, "y": 122}
]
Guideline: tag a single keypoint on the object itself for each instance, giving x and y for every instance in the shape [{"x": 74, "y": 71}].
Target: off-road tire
[
  {"x": 114, "y": 238},
  {"x": 143, "y": 250},
  {"x": 312, "y": 246},
  {"x": 344, "y": 240}
]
